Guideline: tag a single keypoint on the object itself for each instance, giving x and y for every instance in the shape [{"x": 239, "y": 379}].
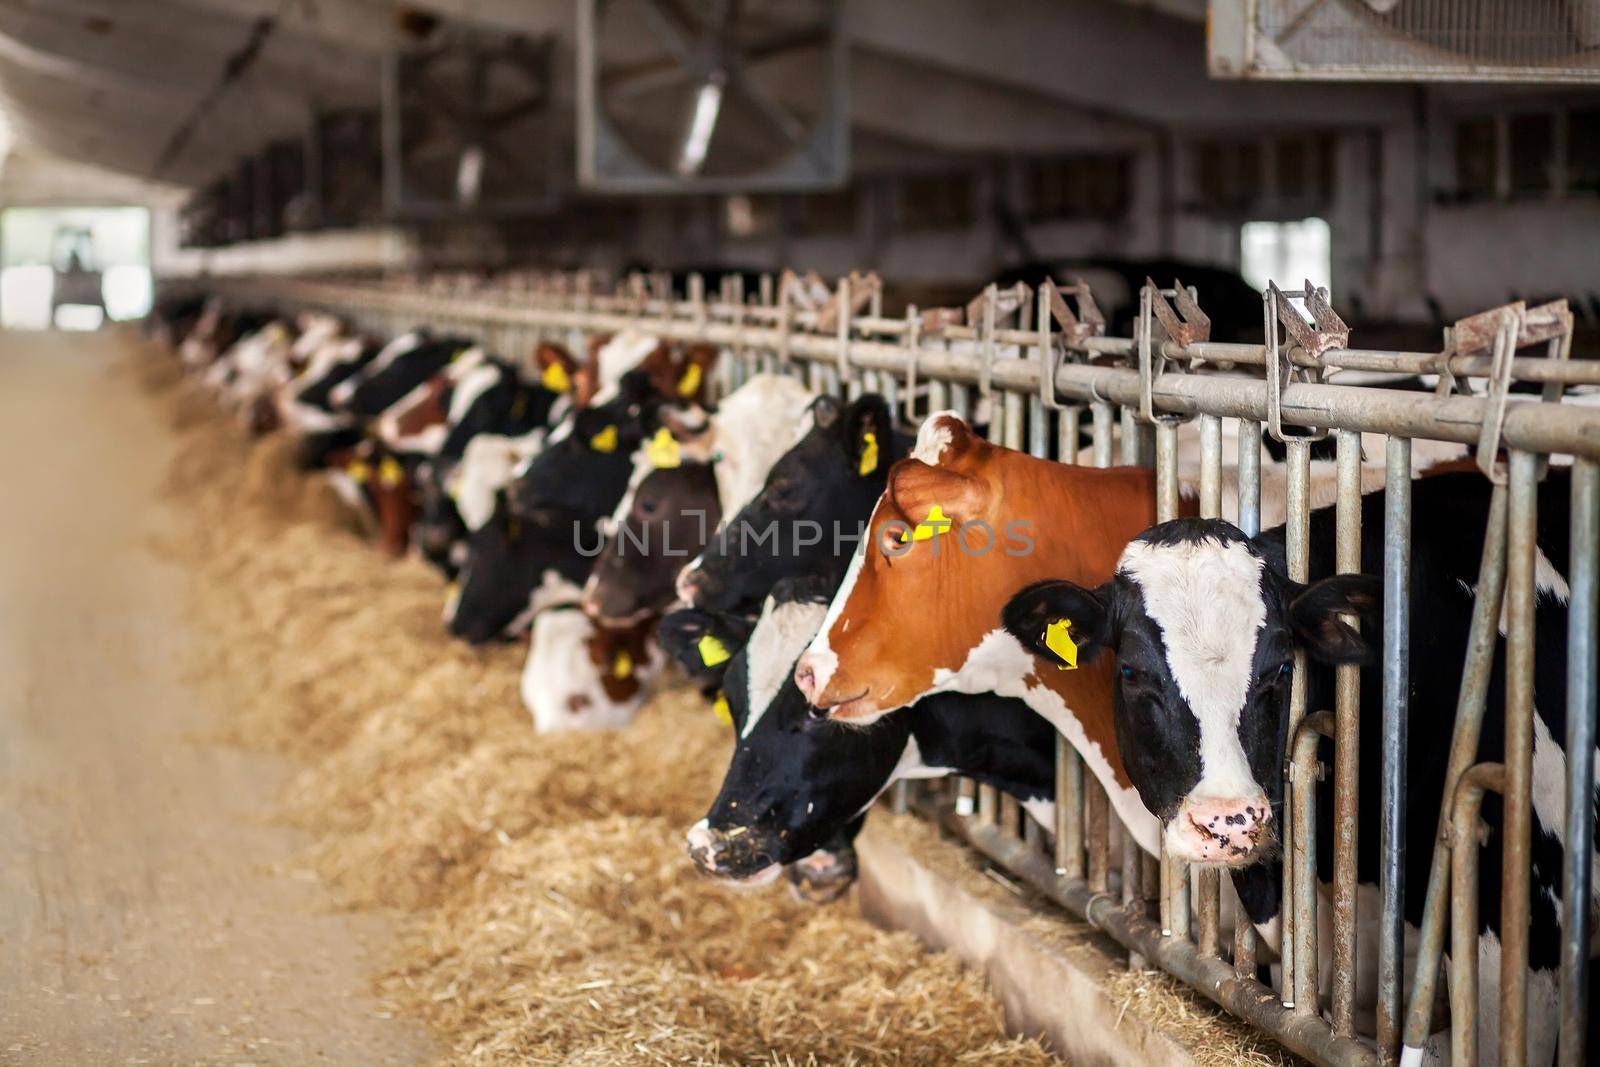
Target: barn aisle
[{"x": 140, "y": 918}]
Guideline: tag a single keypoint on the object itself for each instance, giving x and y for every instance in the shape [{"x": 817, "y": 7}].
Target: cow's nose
[
  {"x": 704, "y": 846},
  {"x": 805, "y": 676},
  {"x": 1221, "y": 830},
  {"x": 687, "y": 586}
]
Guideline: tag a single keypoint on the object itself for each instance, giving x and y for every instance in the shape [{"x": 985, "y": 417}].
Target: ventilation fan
[
  {"x": 1407, "y": 40},
  {"x": 466, "y": 128},
  {"x": 721, "y": 95}
]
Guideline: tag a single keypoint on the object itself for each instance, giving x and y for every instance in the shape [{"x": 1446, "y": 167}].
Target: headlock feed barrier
[{"x": 1037, "y": 366}]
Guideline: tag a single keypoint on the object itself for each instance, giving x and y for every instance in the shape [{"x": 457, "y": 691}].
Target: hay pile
[{"x": 549, "y": 912}]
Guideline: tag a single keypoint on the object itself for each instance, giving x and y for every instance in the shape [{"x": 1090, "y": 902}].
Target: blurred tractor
[{"x": 77, "y": 280}]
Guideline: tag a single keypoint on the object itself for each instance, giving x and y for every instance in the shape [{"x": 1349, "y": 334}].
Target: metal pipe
[
  {"x": 1476, "y": 671},
  {"x": 1166, "y": 471},
  {"x": 1577, "y": 869},
  {"x": 1069, "y": 810},
  {"x": 1304, "y": 772},
  {"x": 1396, "y": 709},
  {"x": 1347, "y": 746},
  {"x": 1210, "y": 467},
  {"x": 1297, "y": 535},
  {"x": 1529, "y": 424},
  {"x": 1517, "y": 836},
  {"x": 1102, "y": 434},
  {"x": 1098, "y": 807},
  {"x": 1068, "y": 430},
  {"x": 1250, "y": 477},
  {"x": 1466, "y": 835}
]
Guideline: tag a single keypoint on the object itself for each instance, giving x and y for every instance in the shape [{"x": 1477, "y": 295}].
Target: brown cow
[{"x": 962, "y": 526}]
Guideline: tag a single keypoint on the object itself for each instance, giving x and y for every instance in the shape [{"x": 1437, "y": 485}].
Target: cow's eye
[{"x": 1129, "y": 672}]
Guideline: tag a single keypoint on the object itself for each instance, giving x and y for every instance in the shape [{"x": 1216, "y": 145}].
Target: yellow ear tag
[
  {"x": 713, "y": 651},
  {"x": 935, "y": 524},
  {"x": 452, "y": 590},
  {"x": 390, "y": 472},
  {"x": 622, "y": 664},
  {"x": 605, "y": 440},
  {"x": 459, "y": 353},
  {"x": 1057, "y": 640},
  {"x": 689, "y": 384},
  {"x": 555, "y": 378},
  {"x": 663, "y": 451},
  {"x": 869, "y": 452},
  {"x": 719, "y": 708},
  {"x": 360, "y": 471}
]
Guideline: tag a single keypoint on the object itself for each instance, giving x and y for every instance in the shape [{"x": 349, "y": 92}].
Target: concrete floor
[{"x": 140, "y": 918}]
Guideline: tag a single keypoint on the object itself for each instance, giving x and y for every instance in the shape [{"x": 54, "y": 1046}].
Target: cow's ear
[
  {"x": 940, "y": 499},
  {"x": 556, "y": 367},
  {"x": 692, "y": 374},
  {"x": 867, "y": 436},
  {"x": 704, "y": 642},
  {"x": 1062, "y": 622},
  {"x": 944, "y": 437},
  {"x": 825, "y": 411},
  {"x": 1314, "y": 612}
]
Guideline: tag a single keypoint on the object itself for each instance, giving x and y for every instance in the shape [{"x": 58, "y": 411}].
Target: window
[
  {"x": 1476, "y": 153},
  {"x": 1531, "y": 139},
  {"x": 1287, "y": 176},
  {"x": 752, "y": 216},
  {"x": 825, "y": 213},
  {"x": 1077, "y": 187},
  {"x": 1289, "y": 253},
  {"x": 937, "y": 202},
  {"x": 1583, "y": 151}
]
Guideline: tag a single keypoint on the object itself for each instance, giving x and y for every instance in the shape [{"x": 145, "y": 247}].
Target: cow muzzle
[
  {"x": 1221, "y": 831},
  {"x": 738, "y": 855},
  {"x": 824, "y": 876}
]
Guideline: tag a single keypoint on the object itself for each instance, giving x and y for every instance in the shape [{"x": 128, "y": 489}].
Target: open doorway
[
  {"x": 73, "y": 268},
  {"x": 1289, "y": 253}
]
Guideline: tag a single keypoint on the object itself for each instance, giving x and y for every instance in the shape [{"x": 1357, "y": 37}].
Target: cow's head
[
  {"x": 587, "y": 461},
  {"x": 813, "y": 501},
  {"x": 797, "y": 787},
  {"x": 664, "y": 519},
  {"x": 580, "y": 676},
  {"x": 961, "y": 523},
  {"x": 514, "y": 567},
  {"x": 1203, "y": 631}
]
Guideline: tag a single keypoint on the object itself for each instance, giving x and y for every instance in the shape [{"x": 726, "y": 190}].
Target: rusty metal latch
[
  {"x": 1502, "y": 331},
  {"x": 1185, "y": 325},
  {"x": 1075, "y": 329},
  {"x": 1324, "y": 333}
]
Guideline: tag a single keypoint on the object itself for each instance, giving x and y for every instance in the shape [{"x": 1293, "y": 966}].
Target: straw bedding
[{"x": 548, "y": 912}]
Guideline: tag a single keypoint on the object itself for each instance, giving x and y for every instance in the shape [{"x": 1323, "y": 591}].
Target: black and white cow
[
  {"x": 797, "y": 789},
  {"x": 401, "y": 366},
  {"x": 814, "y": 499},
  {"x": 1203, "y": 624},
  {"x": 515, "y": 566}
]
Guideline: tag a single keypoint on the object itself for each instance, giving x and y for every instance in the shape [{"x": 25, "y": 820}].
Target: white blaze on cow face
[
  {"x": 774, "y": 645},
  {"x": 750, "y": 431},
  {"x": 488, "y": 464},
  {"x": 1206, "y": 597}
]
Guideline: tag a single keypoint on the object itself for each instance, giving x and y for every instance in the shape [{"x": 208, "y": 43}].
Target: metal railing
[{"x": 1038, "y": 367}]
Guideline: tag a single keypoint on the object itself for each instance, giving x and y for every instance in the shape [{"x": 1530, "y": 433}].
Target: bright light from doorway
[{"x": 1289, "y": 253}]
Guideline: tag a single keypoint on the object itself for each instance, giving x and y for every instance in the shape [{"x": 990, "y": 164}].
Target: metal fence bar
[
  {"x": 1396, "y": 707},
  {"x": 1297, "y": 474},
  {"x": 1347, "y": 747},
  {"x": 1575, "y": 883},
  {"x": 1517, "y": 835},
  {"x": 1466, "y": 835}
]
